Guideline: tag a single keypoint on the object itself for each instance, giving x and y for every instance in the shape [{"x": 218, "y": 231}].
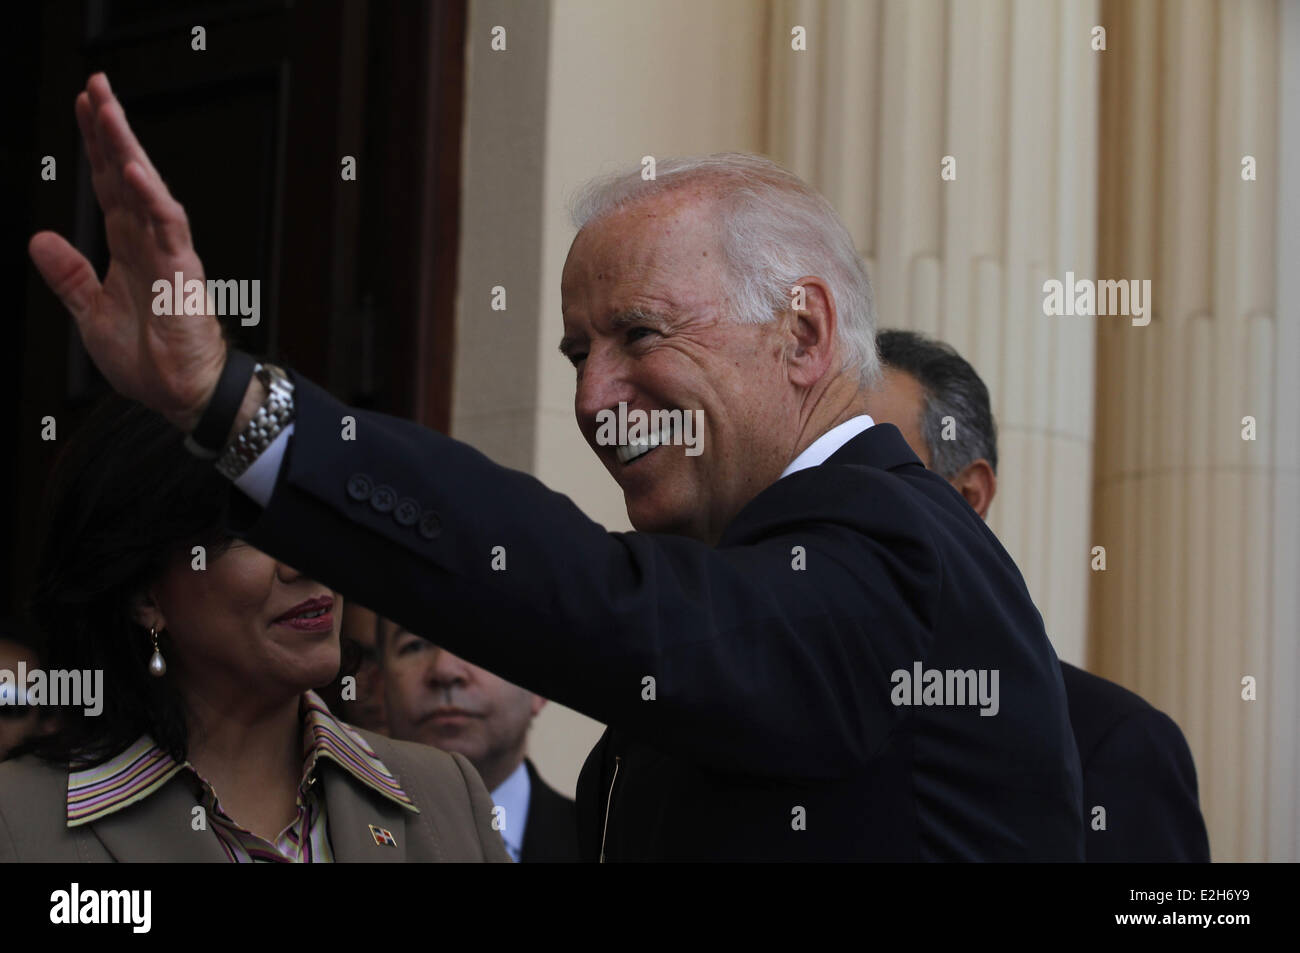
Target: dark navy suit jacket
[
  {"x": 551, "y": 834},
  {"x": 771, "y": 733},
  {"x": 1136, "y": 765}
]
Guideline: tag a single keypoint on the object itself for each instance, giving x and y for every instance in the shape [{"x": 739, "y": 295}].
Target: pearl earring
[{"x": 157, "y": 665}]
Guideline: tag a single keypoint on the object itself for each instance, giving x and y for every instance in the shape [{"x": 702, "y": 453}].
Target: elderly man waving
[{"x": 811, "y": 648}]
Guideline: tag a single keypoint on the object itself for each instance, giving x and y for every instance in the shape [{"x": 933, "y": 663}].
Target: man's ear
[
  {"x": 538, "y": 704},
  {"x": 145, "y": 610},
  {"x": 812, "y": 327},
  {"x": 978, "y": 484}
]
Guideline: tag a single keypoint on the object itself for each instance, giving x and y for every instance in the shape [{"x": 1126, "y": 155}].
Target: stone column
[{"x": 1199, "y": 524}]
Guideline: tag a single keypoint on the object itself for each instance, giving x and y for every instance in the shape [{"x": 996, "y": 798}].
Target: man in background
[
  {"x": 359, "y": 634},
  {"x": 438, "y": 699},
  {"x": 1136, "y": 763},
  {"x": 357, "y": 694}
]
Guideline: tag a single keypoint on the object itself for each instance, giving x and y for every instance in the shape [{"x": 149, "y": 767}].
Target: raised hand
[{"x": 170, "y": 363}]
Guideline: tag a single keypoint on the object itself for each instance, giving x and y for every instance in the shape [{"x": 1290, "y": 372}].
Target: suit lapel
[
  {"x": 350, "y": 809},
  {"x": 551, "y": 834},
  {"x": 158, "y": 830},
  {"x": 593, "y": 783},
  {"x": 538, "y": 820}
]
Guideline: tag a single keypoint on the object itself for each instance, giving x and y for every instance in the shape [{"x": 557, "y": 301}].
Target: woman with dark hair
[{"x": 210, "y": 743}]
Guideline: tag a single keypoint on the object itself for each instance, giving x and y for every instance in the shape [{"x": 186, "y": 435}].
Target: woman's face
[{"x": 247, "y": 623}]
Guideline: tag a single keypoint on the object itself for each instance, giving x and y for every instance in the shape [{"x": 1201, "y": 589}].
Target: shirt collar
[
  {"x": 513, "y": 795},
  {"x": 820, "y": 450},
  {"x": 331, "y": 738},
  {"x": 142, "y": 768}
]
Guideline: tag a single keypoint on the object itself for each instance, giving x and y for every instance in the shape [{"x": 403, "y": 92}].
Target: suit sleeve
[
  {"x": 722, "y": 655},
  {"x": 1144, "y": 776}
]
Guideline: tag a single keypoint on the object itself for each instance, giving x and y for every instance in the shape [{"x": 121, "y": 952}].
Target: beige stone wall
[
  {"x": 1199, "y": 524},
  {"x": 1281, "y": 752}
]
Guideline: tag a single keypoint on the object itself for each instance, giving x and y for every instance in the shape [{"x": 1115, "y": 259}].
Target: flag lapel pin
[{"x": 382, "y": 837}]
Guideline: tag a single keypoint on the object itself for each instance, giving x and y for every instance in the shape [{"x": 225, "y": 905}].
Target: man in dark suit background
[
  {"x": 811, "y": 649},
  {"x": 1136, "y": 764},
  {"x": 439, "y": 699}
]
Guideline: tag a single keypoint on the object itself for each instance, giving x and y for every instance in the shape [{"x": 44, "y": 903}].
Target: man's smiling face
[{"x": 646, "y": 323}]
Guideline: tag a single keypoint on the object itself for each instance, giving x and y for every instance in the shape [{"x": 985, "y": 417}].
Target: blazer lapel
[
  {"x": 158, "y": 830},
  {"x": 350, "y": 809}
]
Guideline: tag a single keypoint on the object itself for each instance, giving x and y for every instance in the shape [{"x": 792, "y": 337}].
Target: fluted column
[
  {"x": 1283, "y": 751},
  {"x": 1199, "y": 524},
  {"x": 1007, "y": 88}
]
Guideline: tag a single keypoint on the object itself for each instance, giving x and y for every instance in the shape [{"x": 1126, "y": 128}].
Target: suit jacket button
[
  {"x": 360, "y": 487},
  {"x": 383, "y": 499},
  {"x": 407, "y": 512},
  {"x": 430, "y": 525}
]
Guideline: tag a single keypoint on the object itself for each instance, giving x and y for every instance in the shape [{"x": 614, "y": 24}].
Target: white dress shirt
[
  {"x": 821, "y": 449},
  {"x": 258, "y": 481},
  {"x": 513, "y": 795}
]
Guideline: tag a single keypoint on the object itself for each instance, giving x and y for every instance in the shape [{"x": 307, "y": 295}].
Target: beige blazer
[{"x": 454, "y": 823}]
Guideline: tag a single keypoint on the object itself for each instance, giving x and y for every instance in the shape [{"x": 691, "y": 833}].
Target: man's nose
[
  {"x": 448, "y": 669},
  {"x": 602, "y": 385}
]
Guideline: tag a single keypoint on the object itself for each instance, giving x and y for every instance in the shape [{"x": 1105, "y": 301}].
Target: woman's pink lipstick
[{"x": 295, "y": 618}]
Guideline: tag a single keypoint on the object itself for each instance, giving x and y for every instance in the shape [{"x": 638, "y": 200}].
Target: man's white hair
[{"x": 774, "y": 229}]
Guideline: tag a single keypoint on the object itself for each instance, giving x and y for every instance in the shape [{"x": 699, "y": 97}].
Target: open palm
[{"x": 167, "y": 362}]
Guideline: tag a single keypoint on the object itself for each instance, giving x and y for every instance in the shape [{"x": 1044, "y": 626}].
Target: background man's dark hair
[{"x": 952, "y": 389}]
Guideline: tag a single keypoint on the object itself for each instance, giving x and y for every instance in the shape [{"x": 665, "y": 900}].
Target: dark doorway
[{"x": 250, "y": 134}]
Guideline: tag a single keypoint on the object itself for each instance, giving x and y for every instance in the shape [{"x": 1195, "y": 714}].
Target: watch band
[
  {"x": 214, "y": 426},
  {"x": 270, "y": 420}
]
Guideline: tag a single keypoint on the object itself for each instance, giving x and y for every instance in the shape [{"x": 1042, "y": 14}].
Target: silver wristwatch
[{"x": 271, "y": 418}]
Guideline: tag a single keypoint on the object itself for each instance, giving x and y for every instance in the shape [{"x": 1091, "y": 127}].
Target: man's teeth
[
  {"x": 631, "y": 451},
  {"x": 639, "y": 448}
]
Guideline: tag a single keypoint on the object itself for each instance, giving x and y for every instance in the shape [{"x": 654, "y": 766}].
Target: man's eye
[{"x": 635, "y": 334}]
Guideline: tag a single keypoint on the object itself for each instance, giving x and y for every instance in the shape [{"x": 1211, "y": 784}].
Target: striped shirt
[{"x": 143, "y": 768}]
